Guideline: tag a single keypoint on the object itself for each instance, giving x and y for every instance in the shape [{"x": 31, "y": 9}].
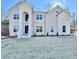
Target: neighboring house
[{"x": 25, "y": 22}]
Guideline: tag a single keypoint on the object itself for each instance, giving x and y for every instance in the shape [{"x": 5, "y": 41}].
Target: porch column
[
  {"x": 30, "y": 26},
  {"x": 20, "y": 26}
]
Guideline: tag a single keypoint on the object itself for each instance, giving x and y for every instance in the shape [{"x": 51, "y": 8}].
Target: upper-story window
[
  {"x": 15, "y": 16},
  {"x": 26, "y": 17},
  {"x": 39, "y": 16}
]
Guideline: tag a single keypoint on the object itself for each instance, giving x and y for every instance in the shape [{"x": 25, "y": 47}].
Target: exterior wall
[
  {"x": 38, "y": 23},
  {"x": 51, "y": 21},
  {"x": 20, "y": 9},
  {"x": 64, "y": 19},
  {"x": 12, "y": 22}
]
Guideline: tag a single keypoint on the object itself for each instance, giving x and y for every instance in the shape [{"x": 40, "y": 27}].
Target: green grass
[{"x": 63, "y": 47}]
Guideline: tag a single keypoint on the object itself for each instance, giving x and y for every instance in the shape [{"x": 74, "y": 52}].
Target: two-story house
[{"x": 25, "y": 22}]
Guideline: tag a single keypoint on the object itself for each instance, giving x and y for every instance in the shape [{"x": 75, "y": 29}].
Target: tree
[
  {"x": 5, "y": 22},
  {"x": 5, "y": 27}
]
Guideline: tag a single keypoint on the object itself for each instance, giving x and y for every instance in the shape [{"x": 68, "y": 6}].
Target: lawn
[{"x": 61, "y": 47}]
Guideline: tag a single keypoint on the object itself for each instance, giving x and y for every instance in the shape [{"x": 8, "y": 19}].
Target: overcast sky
[{"x": 44, "y": 4}]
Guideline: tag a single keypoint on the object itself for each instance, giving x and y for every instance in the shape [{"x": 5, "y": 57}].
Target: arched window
[{"x": 26, "y": 17}]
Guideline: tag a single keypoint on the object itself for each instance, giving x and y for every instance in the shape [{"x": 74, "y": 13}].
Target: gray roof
[
  {"x": 35, "y": 8},
  {"x": 38, "y": 9}
]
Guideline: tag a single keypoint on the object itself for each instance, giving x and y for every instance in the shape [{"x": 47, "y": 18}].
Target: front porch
[{"x": 25, "y": 27}]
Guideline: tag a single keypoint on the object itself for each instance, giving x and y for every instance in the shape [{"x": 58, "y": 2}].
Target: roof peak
[
  {"x": 23, "y": 0},
  {"x": 57, "y": 6}
]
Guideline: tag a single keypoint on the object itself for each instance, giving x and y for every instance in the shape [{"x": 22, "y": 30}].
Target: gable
[
  {"x": 19, "y": 4},
  {"x": 15, "y": 6},
  {"x": 55, "y": 10},
  {"x": 65, "y": 16}
]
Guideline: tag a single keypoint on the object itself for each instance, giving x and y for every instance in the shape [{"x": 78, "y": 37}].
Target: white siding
[
  {"x": 49, "y": 19},
  {"x": 12, "y": 22},
  {"x": 64, "y": 19}
]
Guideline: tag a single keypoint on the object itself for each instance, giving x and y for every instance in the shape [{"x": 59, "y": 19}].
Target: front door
[{"x": 26, "y": 29}]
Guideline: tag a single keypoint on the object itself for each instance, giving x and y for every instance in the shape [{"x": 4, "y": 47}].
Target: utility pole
[{"x": 74, "y": 20}]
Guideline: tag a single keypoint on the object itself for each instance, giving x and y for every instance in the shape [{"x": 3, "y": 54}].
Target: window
[
  {"x": 26, "y": 17},
  {"x": 64, "y": 28},
  {"x": 57, "y": 12},
  {"x": 15, "y": 28},
  {"x": 52, "y": 29},
  {"x": 39, "y": 16},
  {"x": 15, "y": 16},
  {"x": 38, "y": 28}
]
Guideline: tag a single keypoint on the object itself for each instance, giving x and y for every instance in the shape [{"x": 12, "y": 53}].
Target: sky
[{"x": 69, "y": 5}]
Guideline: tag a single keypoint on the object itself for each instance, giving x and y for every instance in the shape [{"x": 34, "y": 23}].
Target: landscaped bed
[{"x": 56, "y": 47}]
